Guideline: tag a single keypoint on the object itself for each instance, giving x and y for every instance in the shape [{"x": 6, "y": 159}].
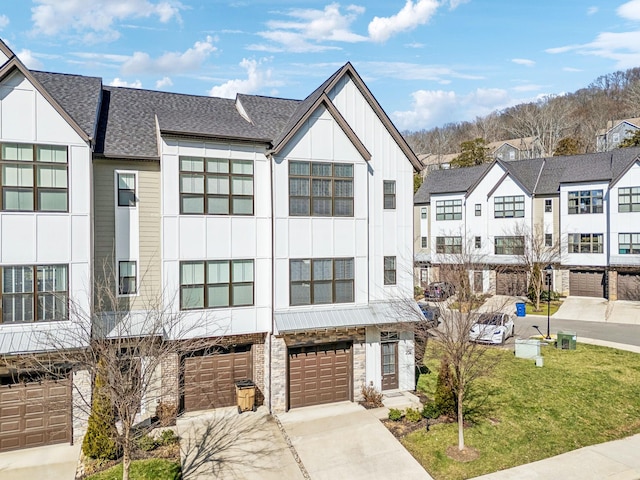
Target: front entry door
[{"x": 389, "y": 365}]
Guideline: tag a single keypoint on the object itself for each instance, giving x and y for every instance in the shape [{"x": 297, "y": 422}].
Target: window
[
  {"x": 547, "y": 205},
  {"x": 448, "y": 244},
  {"x": 616, "y": 137},
  {"x": 423, "y": 213},
  {"x": 216, "y": 284},
  {"x": 34, "y": 177},
  {"x": 44, "y": 300},
  {"x": 478, "y": 242},
  {"x": 509, "y": 245},
  {"x": 629, "y": 243},
  {"x": 509, "y": 207},
  {"x": 127, "y": 278},
  {"x": 389, "y": 270},
  {"x": 585, "y": 201},
  {"x": 126, "y": 189},
  {"x": 389, "y": 194},
  {"x": 425, "y": 242},
  {"x": 629, "y": 199},
  {"x": 478, "y": 209},
  {"x": 585, "y": 243},
  {"x": 322, "y": 280},
  {"x": 548, "y": 239},
  {"x": 448, "y": 209},
  {"x": 216, "y": 186},
  {"x": 320, "y": 189}
]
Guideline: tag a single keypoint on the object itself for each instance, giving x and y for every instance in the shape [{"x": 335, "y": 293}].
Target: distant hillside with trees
[{"x": 566, "y": 124}]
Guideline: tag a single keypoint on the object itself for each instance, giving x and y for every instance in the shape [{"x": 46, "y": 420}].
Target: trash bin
[
  {"x": 246, "y": 395},
  {"x": 520, "y": 309}
]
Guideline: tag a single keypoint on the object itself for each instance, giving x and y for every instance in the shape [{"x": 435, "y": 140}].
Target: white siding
[{"x": 626, "y": 222}]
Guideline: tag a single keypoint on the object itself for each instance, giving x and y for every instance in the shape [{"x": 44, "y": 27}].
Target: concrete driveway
[
  {"x": 53, "y": 461},
  {"x": 343, "y": 440}
]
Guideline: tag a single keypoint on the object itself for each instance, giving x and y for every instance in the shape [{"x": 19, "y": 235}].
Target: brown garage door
[
  {"x": 319, "y": 374},
  {"x": 209, "y": 377},
  {"x": 35, "y": 414},
  {"x": 629, "y": 286},
  {"x": 584, "y": 283},
  {"x": 511, "y": 283}
]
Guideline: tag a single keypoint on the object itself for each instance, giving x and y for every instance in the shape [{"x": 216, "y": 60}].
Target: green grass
[
  {"x": 530, "y": 308},
  {"x": 579, "y": 398},
  {"x": 150, "y": 469}
]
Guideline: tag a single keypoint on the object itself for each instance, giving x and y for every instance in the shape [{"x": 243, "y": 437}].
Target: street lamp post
[{"x": 548, "y": 270}]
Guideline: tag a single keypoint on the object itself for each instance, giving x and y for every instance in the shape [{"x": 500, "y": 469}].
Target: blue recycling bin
[{"x": 520, "y": 309}]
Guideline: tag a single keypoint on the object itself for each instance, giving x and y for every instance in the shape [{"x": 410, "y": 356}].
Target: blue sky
[{"x": 428, "y": 62}]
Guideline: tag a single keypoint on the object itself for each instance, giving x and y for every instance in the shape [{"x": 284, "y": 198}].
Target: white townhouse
[
  {"x": 280, "y": 230},
  {"x": 587, "y": 207}
]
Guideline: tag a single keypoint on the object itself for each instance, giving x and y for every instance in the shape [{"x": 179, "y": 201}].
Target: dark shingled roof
[
  {"x": 270, "y": 114},
  {"x": 79, "y": 96},
  {"x": 454, "y": 180}
]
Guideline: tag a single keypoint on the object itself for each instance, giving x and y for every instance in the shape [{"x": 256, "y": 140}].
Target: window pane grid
[
  {"x": 449, "y": 210},
  {"x": 585, "y": 201},
  {"x": 448, "y": 244},
  {"x": 389, "y": 270},
  {"x": 216, "y": 284},
  {"x": 320, "y": 189},
  {"x": 629, "y": 199},
  {"x": 509, "y": 245},
  {"x": 585, "y": 243},
  {"x": 320, "y": 281},
  {"x": 629, "y": 243},
  {"x": 509, "y": 207}
]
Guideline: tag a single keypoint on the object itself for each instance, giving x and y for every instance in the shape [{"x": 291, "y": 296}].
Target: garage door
[
  {"x": 584, "y": 283},
  {"x": 629, "y": 286},
  {"x": 511, "y": 283},
  {"x": 35, "y": 414},
  {"x": 209, "y": 377},
  {"x": 319, "y": 374}
]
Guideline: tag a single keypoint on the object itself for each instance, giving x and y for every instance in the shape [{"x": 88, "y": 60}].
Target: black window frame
[
  {"x": 424, "y": 242},
  {"x": 548, "y": 205},
  {"x": 509, "y": 245},
  {"x": 389, "y": 194},
  {"x": 125, "y": 282},
  {"x": 390, "y": 274},
  {"x": 449, "y": 244},
  {"x": 512, "y": 206},
  {"x": 478, "y": 242},
  {"x": 584, "y": 202},
  {"x": 548, "y": 239},
  {"x": 423, "y": 213},
  {"x": 449, "y": 210},
  {"x": 312, "y": 282},
  {"x": 127, "y": 196},
  {"x": 628, "y": 199},
  {"x": 478, "y": 209},
  {"x": 585, "y": 243},
  {"x": 338, "y": 176}
]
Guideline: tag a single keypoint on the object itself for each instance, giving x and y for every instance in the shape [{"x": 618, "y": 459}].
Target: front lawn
[
  {"x": 149, "y": 469},
  {"x": 530, "y": 308},
  {"x": 578, "y": 398}
]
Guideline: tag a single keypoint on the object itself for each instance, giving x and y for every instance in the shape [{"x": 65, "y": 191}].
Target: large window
[
  {"x": 389, "y": 194},
  {"x": 321, "y": 280},
  {"x": 449, "y": 210},
  {"x": 216, "y": 284},
  {"x": 629, "y": 243},
  {"x": 389, "y": 270},
  {"x": 448, "y": 244},
  {"x": 34, "y": 177},
  {"x": 43, "y": 300},
  {"x": 216, "y": 186},
  {"x": 585, "y": 243},
  {"x": 320, "y": 189},
  {"x": 629, "y": 199},
  {"x": 509, "y": 207},
  {"x": 509, "y": 245},
  {"x": 585, "y": 201}
]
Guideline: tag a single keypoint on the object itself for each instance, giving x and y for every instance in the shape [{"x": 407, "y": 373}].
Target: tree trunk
[
  {"x": 126, "y": 452},
  {"x": 460, "y": 421}
]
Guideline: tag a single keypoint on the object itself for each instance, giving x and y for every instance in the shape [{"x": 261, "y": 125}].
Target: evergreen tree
[{"x": 100, "y": 439}]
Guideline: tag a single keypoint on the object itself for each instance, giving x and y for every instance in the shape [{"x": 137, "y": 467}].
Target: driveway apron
[{"x": 57, "y": 462}]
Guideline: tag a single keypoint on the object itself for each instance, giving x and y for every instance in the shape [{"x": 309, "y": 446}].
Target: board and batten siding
[{"x": 148, "y": 191}]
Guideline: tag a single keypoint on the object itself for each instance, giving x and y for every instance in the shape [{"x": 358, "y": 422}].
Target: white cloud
[
  {"x": 255, "y": 81},
  {"x": 117, "y": 82},
  {"x": 523, "y": 61},
  {"x": 309, "y": 28},
  {"x": 571, "y": 69},
  {"x": 630, "y": 10},
  {"x": 531, "y": 87},
  {"x": 415, "y": 71},
  {"x": 4, "y": 21},
  {"x": 29, "y": 60},
  {"x": 163, "y": 83},
  {"x": 411, "y": 15},
  {"x": 94, "y": 19},
  {"x": 592, "y": 10},
  {"x": 170, "y": 62},
  {"x": 414, "y": 45}
]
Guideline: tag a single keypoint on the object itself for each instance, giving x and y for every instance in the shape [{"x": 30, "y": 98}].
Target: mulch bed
[
  {"x": 403, "y": 427},
  {"x": 168, "y": 452}
]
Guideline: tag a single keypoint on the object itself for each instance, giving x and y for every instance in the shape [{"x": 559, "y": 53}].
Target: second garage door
[
  {"x": 319, "y": 374},
  {"x": 209, "y": 378},
  {"x": 585, "y": 283},
  {"x": 511, "y": 283},
  {"x": 629, "y": 286}
]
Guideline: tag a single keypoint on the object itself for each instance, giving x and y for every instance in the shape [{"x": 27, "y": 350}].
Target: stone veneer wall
[
  {"x": 279, "y": 360},
  {"x": 613, "y": 285},
  {"x": 81, "y": 403}
]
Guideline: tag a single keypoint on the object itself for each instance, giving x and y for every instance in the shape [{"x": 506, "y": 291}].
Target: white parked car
[{"x": 492, "y": 328}]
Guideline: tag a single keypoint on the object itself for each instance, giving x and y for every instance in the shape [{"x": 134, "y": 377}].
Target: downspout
[
  {"x": 273, "y": 281},
  {"x": 368, "y": 234}
]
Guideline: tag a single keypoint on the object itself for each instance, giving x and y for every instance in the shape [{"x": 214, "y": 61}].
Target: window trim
[
  {"x": 576, "y": 207},
  {"x": 510, "y": 204},
  {"x": 333, "y": 178},
  {"x": 548, "y": 205},
  {"x": 313, "y": 281},
  {"x": 134, "y": 191},
  {"x": 121, "y": 279},
  {"x": 389, "y": 198},
  {"x": 633, "y": 245},
  {"x": 630, "y": 192},
  {"x": 595, "y": 243},
  {"x": 455, "y": 213},
  {"x": 509, "y": 245},
  {"x": 390, "y": 270}
]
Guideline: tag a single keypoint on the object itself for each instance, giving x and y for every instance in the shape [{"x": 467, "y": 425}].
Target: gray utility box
[
  {"x": 526, "y": 348},
  {"x": 566, "y": 340}
]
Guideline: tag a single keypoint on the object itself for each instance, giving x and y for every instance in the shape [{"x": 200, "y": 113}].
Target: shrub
[
  {"x": 147, "y": 443},
  {"x": 412, "y": 415},
  {"x": 430, "y": 410},
  {"x": 167, "y": 413},
  {"x": 444, "y": 398},
  {"x": 395, "y": 414},
  {"x": 418, "y": 291},
  {"x": 371, "y": 396},
  {"x": 168, "y": 437},
  {"x": 100, "y": 440}
]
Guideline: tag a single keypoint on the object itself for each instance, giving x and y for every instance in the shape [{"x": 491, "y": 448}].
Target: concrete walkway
[{"x": 57, "y": 462}]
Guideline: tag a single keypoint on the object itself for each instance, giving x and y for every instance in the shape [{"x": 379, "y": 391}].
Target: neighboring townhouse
[
  {"x": 278, "y": 229},
  {"x": 615, "y": 133},
  {"x": 585, "y": 206},
  {"x": 516, "y": 149}
]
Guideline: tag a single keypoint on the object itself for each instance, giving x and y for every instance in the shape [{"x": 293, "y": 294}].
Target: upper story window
[
  {"x": 629, "y": 243},
  {"x": 513, "y": 245},
  {"x": 448, "y": 244},
  {"x": 34, "y": 177},
  {"x": 321, "y": 280},
  {"x": 43, "y": 300},
  {"x": 585, "y": 201},
  {"x": 127, "y": 277},
  {"x": 424, "y": 242},
  {"x": 389, "y": 270},
  {"x": 126, "y": 189},
  {"x": 547, "y": 205},
  {"x": 478, "y": 209},
  {"x": 449, "y": 210},
  {"x": 216, "y": 186},
  {"x": 389, "y": 187},
  {"x": 548, "y": 240},
  {"x": 423, "y": 213},
  {"x": 585, "y": 243},
  {"x": 629, "y": 199},
  {"x": 320, "y": 189},
  {"x": 216, "y": 284},
  {"x": 477, "y": 242},
  {"x": 509, "y": 207}
]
